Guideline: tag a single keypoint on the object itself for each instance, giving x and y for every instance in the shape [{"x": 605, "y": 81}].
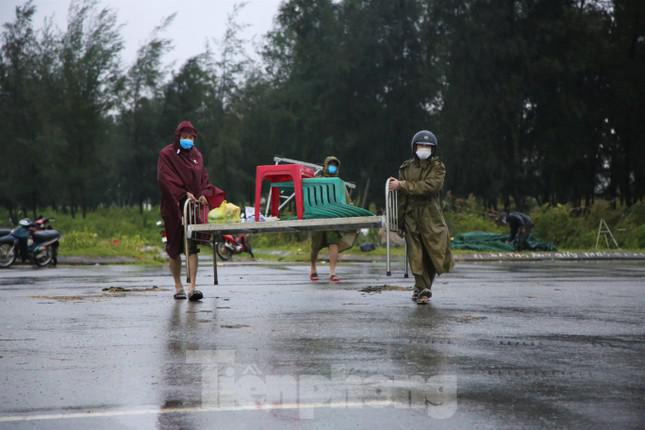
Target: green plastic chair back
[
  {"x": 324, "y": 198},
  {"x": 335, "y": 188}
]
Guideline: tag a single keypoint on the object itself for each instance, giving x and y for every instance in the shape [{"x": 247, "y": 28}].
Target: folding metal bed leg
[
  {"x": 389, "y": 207},
  {"x": 186, "y": 220},
  {"x": 187, "y": 269},
  {"x": 387, "y": 231},
  {"x": 214, "y": 244},
  {"x": 388, "y": 272}
]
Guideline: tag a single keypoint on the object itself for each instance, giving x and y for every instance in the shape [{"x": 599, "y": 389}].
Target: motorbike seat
[
  {"x": 45, "y": 235},
  {"x": 4, "y": 232}
]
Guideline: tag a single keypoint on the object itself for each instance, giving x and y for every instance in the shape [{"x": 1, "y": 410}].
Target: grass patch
[
  {"x": 108, "y": 232},
  {"x": 126, "y": 232}
]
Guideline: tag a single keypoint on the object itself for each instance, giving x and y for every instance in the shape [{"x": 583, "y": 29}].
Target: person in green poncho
[
  {"x": 337, "y": 242},
  {"x": 427, "y": 238}
]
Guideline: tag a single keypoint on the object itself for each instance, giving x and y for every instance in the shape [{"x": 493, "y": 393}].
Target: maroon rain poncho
[{"x": 180, "y": 171}]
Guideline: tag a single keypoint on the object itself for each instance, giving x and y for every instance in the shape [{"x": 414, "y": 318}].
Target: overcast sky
[{"x": 196, "y": 22}]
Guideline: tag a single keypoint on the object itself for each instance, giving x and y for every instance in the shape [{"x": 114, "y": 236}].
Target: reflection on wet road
[{"x": 528, "y": 345}]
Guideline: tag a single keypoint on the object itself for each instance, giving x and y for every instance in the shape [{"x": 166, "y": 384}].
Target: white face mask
[{"x": 424, "y": 152}]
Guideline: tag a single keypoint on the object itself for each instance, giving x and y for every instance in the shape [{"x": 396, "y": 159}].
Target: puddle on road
[
  {"x": 468, "y": 318},
  {"x": 235, "y": 326},
  {"x": 134, "y": 290},
  {"x": 381, "y": 288},
  {"x": 106, "y": 293},
  {"x": 73, "y": 299}
]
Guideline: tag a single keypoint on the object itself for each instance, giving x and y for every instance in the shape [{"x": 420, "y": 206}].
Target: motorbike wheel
[
  {"x": 223, "y": 252},
  {"x": 44, "y": 257},
  {"x": 7, "y": 254}
]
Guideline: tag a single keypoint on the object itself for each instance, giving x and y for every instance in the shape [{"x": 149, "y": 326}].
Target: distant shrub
[
  {"x": 461, "y": 222},
  {"x": 555, "y": 224}
]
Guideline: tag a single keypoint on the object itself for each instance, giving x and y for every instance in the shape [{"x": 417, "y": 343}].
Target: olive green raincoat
[{"x": 420, "y": 216}]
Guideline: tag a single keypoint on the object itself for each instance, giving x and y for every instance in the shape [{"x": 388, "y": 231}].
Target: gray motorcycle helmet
[{"x": 425, "y": 137}]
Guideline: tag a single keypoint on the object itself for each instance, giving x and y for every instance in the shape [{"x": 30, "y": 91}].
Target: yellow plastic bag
[{"x": 225, "y": 213}]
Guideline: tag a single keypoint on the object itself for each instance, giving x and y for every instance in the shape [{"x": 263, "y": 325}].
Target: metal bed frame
[{"x": 194, "y": 213}]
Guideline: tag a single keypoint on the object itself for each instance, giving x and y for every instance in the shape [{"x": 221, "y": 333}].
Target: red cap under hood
[{"x": 184, "y": 126}]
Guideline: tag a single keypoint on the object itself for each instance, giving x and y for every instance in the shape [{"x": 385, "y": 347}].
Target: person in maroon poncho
[{"x": 181, "y": 175}]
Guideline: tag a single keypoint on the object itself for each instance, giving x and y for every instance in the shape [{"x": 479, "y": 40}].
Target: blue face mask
[
  {"x": 331, "y": 169},
  {"x": 186, "y": 143}
]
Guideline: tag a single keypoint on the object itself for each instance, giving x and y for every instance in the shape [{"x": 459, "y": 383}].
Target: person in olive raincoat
[
  {"x": 181, "y": 176},
  {"x": 421, "y": 218},
  {"x": 336, "y": 242}
]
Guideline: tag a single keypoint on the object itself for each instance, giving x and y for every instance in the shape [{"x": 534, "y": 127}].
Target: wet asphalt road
[{"x": 523, "y": 345}]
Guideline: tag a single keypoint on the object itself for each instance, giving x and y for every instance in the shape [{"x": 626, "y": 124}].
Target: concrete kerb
[{"x": 470, "y": 258}]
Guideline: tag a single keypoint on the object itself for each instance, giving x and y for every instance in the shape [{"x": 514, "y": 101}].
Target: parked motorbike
[
  {"x": 33, "y": 241},
  {"x": 43, "y": 223},
  {"x": 231, "y": 245}
]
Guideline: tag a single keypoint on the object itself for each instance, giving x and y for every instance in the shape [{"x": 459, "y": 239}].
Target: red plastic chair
[{"x": 281, "y": 173}]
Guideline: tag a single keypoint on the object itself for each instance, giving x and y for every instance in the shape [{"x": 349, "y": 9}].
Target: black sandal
[
  {"x": 424, "y": 297},
  {"x": 415, "y": 295},
  {"x": 195, "y": 296},
  {"x": 180, "y": 295}
]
